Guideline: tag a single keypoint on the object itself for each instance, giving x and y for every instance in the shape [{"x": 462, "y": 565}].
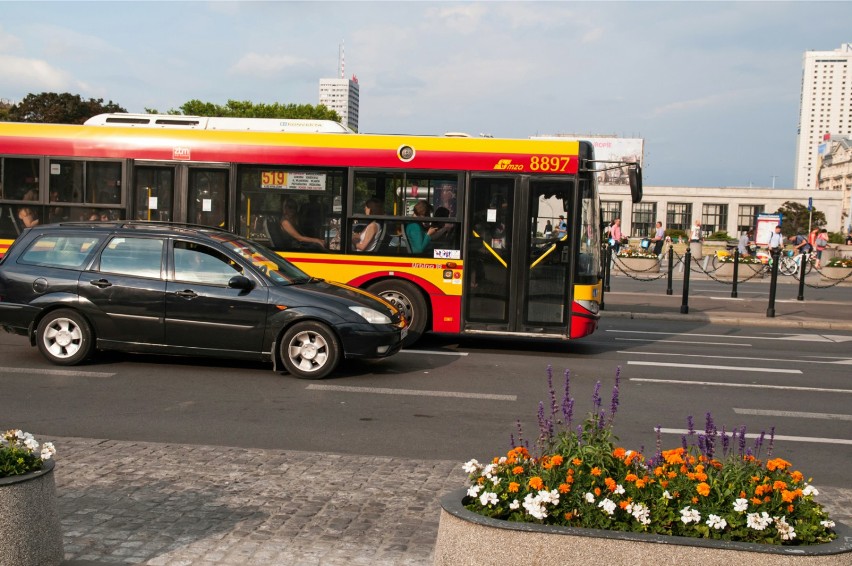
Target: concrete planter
[
  {"x": 468, "y": 539},
  {"x": 30, "y": 534},
  {"x": 832, "y": 274},
  {"x": 744, "y": 271},
  {"x": 638, "y": 265}
]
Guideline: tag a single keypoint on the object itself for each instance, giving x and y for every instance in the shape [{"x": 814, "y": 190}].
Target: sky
[{"x": 712, "y": 87}]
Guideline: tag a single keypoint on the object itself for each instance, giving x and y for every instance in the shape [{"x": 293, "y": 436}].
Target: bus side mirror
[{"x": 634, "y": 175}]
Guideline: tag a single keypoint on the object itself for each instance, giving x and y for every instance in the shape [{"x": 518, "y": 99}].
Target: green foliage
[
  {"x": 675, "y": 235},
  {"x": 20, "y": 453},
  {"x": 248, "y": 109},
  {"x": 795, "y": 218},
  {"x": 53, "y": 108},
  {"x": 721, "y": 236},
  {"x": 836, "y": 238}
]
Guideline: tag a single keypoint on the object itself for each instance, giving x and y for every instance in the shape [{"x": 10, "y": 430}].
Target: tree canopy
[
  {"x": 794, "y": 218},
  {"x": 54, "y": 108},
  {"x": 248, "y": 109}
]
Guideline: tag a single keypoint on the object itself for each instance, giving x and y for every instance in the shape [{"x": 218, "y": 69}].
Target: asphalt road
[{"x": 460, "y": 399}]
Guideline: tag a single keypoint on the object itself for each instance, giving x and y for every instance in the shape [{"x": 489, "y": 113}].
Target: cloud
[
  {"x": 23, "y": 74},
  {"x": 728, "y": 99},
  {"x": 257, "y": 64},
  {"x": 9, "y": 42}
]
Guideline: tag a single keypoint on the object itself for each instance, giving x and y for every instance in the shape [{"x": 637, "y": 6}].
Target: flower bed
[
  {"x": 744, "y": 270},
  {"x": 712, "y": 486}
]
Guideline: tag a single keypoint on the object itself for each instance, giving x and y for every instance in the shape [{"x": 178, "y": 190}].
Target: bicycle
[{"x": 790, "y": 264}]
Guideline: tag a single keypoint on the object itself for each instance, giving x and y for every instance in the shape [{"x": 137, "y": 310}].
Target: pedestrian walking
[
  {"x": 659, "y": 238},
  {"x": 695, "y": 239},
  {"x": 615, "y": 235}
]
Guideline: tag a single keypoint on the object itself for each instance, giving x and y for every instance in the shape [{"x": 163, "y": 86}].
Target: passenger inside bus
[
  {"x": 367, "y": 239},
  {"x": 419, "y": 237},
  {"x": 290, "y": 228},
  {"x": 28, "y": 216}
]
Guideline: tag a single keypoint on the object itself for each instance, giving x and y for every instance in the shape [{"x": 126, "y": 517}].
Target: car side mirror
[{"x": 240, "y": 282}]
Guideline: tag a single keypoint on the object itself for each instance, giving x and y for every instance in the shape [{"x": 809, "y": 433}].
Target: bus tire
[
  {"x": 64, "y": 337},
  {"x": 310, "y": 350},
  {"x": 407, "y": 298}
]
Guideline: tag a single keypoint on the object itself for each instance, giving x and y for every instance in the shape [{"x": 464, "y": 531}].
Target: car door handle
[
  {"x": 188, "y": 293},
  {"x": 101, "y": 283}
]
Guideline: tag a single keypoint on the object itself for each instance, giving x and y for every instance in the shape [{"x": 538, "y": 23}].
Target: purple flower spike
[
  {"x": 690, "y": 425},
  {"x": 596, "y": 398},
  {"x": 771, "y": 442},
  {"x": 613, "y": 408}
]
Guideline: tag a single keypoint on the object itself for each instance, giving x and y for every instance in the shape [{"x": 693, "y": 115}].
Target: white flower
[
  {"x": 758, "y": 521},
  {"x": 488, "y": 470},
  {"x": 590, "y": 497},
  {"x": 495, "y": 480},
  {"x": 667, "y": 495},
  {"x": 619, "y": 490},
  {"x": 688, "y": 515},
  {"x": 47, "y": 451},
  {"x": 785, "y": 531},
  {"x": 534, "y": 506},
  {"x": 514, "y": 504},
  {"x": 502, "y": 460},
  {"x": 551, "y": 497},
  {"x": 474, "y": 490},
  {"x": 488, "y": 498},
  {"x": 607, "y": 506},
  {"x": 741, "y": 505},
  {"x": 716, "y": 522},
  {"x": 471, "y": 466},
  {"x": 640, "y": 512},
  {"x": 810, "y": 490},
  {"x": 827, "y": 524}
]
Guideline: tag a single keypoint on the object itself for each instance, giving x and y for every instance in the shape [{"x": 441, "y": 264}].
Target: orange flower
[
  {"x": 564, "y": 488},
  {"x": 623, "y": 504},
  {"x": 641, "y": 483},
  {"x": 672, "y": 475},
  {"x": 779, "y": 485},
  {"x": 788, "y": 496},
  {"x": 756, "y": 500},
  {"x": 777, "y": 464},
  {"x": 597, "y": 491},
  {"x": 742, "y": 494},
  {"x": 619, "y": 452},
  {"x": 694, "y": 500},
  {"x": 556, "y": 460},
  {"x": 518, "y": 470},
  {"x": 631, "y": 477},
  {"x": 663, "y": 483},
  {"x": 703, "y": 489},
  {"x": 596, "y": 471},
  {"x": 576, "y": 461},
  {"x": 659, "y": 470},
  {"x": 514, "y": 486},
  {"x": 789, "y": 509},
  {"x": 610, "y": 484},
  {"x": 569, "y": 516},
  {"x": 536, "y": 482},
  {"x": 797, "y": 476}
]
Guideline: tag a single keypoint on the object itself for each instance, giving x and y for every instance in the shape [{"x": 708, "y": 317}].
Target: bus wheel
[
  {"x": 408, "y": 299},
  {"x": 310, "y": 350},
  {"x": 64, "y": 337}
]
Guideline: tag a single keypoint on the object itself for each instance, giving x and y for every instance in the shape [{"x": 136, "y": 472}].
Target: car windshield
[{"x": 273, "y": 266}]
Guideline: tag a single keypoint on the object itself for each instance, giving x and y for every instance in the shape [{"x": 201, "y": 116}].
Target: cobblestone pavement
[{"x": 176, "y": 505}]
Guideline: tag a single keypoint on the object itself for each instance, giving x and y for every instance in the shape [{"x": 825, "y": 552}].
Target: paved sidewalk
[{"x": 178, "y": 505}]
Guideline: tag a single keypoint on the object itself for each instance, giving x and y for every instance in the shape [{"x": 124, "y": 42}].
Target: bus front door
[{"x": 516, "y": 282}]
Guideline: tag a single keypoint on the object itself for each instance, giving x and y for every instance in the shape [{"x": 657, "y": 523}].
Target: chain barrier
[
  {"x": 836, "y": 280},
  {"x": 623, "y": 269},
  {"x": 696, "y": 267}
]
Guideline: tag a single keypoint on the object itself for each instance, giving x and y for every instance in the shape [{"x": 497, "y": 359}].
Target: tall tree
[
  {"x": 64, "y": 108},
  {"x": 795, "y": 216},
  {"x": 248, "y": 109}
]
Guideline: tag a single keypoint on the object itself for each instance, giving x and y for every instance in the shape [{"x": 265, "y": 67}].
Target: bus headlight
[
  {"x": 370, "y": 315},
  {"x": 591, "y": 306}
]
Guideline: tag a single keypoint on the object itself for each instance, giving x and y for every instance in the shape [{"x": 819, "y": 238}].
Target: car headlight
[{"x": 370, "y": 315}]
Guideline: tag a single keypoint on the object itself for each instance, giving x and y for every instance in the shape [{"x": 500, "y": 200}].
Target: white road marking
[
  {"x": 795, "y": 337},
  {"x": 836, "y": 361},
  {"x": 664, "y": 341},
  {"x": 701, "y": 366},
  {"x": 748, "y": 385},
  {"x": 777, "y": 437},
  {"x": 796, "y": 414},
  {"x": 57, "y": 372},
  {"x": 433, "y": 352},
  {"x": 412, "y": 392}
]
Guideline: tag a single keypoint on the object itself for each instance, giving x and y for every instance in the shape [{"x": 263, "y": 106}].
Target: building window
[
  {"x": 678, "y": 215},
  {"x": 747, "y": 215},
  {"x": 644, "y": 218},
  {"x": 714, "y": 217},
  {"x": 610, "y": 210}
]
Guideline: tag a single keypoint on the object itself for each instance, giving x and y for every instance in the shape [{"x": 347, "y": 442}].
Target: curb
[{"x": 739, "y": 321}]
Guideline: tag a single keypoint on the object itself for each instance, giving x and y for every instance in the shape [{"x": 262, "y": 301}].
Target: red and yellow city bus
[{"x": 450, "y": 228}]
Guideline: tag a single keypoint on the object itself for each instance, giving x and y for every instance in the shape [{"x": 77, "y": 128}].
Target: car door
[
  {"x": 202, "y": 312},
  {"x": 124, "y": 292}
]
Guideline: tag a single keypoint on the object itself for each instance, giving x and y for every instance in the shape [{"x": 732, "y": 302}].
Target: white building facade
[
  {"x": 825, "y": 109},
  {"x": 342, "y": 96},
  {"x": 728, "y": 209},
  {"x": 836, "y": 174}
]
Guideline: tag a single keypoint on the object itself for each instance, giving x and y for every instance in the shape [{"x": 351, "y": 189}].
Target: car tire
[
  {"x": 408, "y": 299},
  {"x": 310, "y": 350},
  {"x": 64, "y": 337}
]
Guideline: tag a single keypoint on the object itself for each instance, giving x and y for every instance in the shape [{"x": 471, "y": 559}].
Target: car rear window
[{"x": 70, "y": 252}]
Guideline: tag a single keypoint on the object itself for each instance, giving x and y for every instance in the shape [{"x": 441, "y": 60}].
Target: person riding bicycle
[
  {"x": 800, "y": 244},
  {"x": 746, "y": 243}
]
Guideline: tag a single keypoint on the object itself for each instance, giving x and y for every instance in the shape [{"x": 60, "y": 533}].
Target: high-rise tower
[{"x": 341, "y": 94}]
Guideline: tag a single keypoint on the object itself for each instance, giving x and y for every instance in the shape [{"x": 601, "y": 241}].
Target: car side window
[
  {"x": 71, "y": 252},
  {"x": 137, "y": 257},
  {"x": 197, "y": 263}
]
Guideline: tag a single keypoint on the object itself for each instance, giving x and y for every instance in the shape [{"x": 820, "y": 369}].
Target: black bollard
[
  {"x": 773, "y": 282},
  {"x": 687, "y": 260},
  {"x": 802, "y": 266},
  {"x": 608, "y": 256},
  {"x": 736, "y": 272},
  {"x": 671, "y": 266}
]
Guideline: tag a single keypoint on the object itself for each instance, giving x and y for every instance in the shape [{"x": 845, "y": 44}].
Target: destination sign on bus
[{"x": 293, "y": 181}]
